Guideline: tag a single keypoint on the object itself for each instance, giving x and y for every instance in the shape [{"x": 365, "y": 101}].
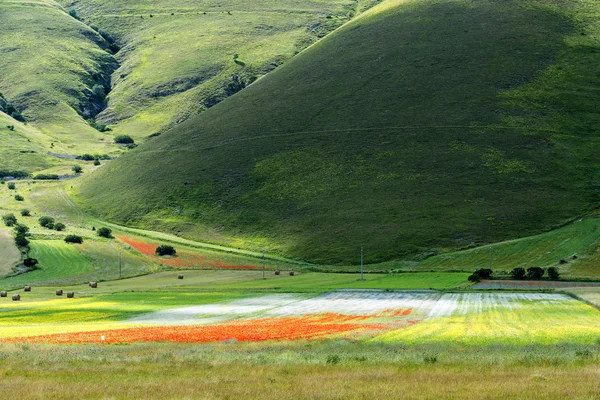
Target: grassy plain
[
  {"x": 275, "y": 371},
  {"x": 370, "y": 148}
]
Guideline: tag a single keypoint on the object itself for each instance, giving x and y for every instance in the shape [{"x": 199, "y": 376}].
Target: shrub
[
  {"x": 18, "y": 197},
  {"x": 59, "y": 226},
  {"x": 74, "y": 239},
  {"x": 96, "y": 162},
  {"x": 30, "y": 262},
  {"x": 484, "y": 273},
  {"x": 25, "y": 212},
  {"x": 9, "y": 219},
  {"x": 165, "y": 250},
  {"x": 105, "y": 232},
  {"x": 11, "y": 186},
  {"x": 98, "y": 91},
  {"x": 73, "y": 13},
  {"x": 474, "y": 277},
  {"x": 46, "y": 177},
  {"x": 77, "y": 169},
  {"x": 535, "y": 273},
  {"x": 45, "y": 221},
  {"x": 86, "y": 157},
  {"x": 21, "y": 229},
  {"x": 21, "y": 241},
  {"x": 518, "y": 273},
  {"x": 553, "y": 273},
  {"x": 123, "y": 139}
]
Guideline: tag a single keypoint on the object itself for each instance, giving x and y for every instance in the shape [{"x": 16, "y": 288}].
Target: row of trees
[{"x": 519, "y": 273}]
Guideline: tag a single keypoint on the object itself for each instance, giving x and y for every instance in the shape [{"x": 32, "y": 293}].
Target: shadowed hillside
[{"x": 420, "y": 127}]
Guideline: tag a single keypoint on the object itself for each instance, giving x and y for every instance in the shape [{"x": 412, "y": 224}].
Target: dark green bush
[
  {"x": 45, "y": 221},
  {"x": 535, "y": 273},
  {"x": 105, "y": 232},
  {"x": 21, "y": 241},
  {"x": 165, "y": 250},
  {"x": 18, "y": 197},
  {"x": 30, "y": 262},
  {"x": 74, "y": 239},
  {"x": 25, "y": 212},
  {"x": 123, "y": 139},
  {"x": 59, "y": 226},
  {"x": 77, "y": 169},
  {"x": 11, "y": 186},
  {"x": 553, "y": 273},
  {"x": 9, "y": 219},
  {"x": 21, "y": 229},
  {"x": 46, "y": 177},
  {"x": 518, "y": 273}
]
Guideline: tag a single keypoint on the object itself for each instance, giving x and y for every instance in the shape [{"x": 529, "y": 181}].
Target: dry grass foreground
[{"x": 173, "y": 380}]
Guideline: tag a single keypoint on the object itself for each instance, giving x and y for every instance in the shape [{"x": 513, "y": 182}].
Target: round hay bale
[
  {"x": 277, "y": 272},
  {"x": 27, "y": 288},
  {"x": 3, "y": 294},
  {"x": 292, "y": 273},
  {"x": 93, "y": 285},
  {"x": 180, "y": 276},
  {"x": 70, "y": 295},
  {"x": 59, "y": 292},
  {"x": 16, "y": 297}
]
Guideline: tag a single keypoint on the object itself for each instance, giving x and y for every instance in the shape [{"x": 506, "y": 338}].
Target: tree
[
  {"x": 518, "y": 273},
  {"x": 98, "y": 91},
  {"x": 59, "y": 226},
  {"x": 553, "y": 273},
  {"x": 96, "y": 162},
  {"x": 9, "y": 219},
  {"x": 105, "y": 232},
  {"x": 165, "y": 250},
  {"x": 21, "y": 229},
  {"x": 474, "y": 277},
  {"x": 30, "y": 262},
  {"x": 535, "y": 273},
  {"x": 25, "y": 212},
  {"x": 45, "y": 221},
  {"x": 21, "y": 241},
  {"x": 77, "y": 169},
  {"x": 484, "y": 273},
  {"x": 123, "y": 139},
  {"x": 18, "y": 197},
  {"x": 74, "y": 239}
]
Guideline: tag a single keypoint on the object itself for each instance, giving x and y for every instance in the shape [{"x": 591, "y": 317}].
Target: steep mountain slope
[
  {"x": 49, "y": 64},
  {"x": 420, "y": 127},
  {"x": 179, "y": 57}
]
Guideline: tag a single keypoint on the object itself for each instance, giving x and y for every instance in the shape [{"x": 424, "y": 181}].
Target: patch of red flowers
[
  {"x": 288, "y": 328},
  {"x": 184, "y": 259}
]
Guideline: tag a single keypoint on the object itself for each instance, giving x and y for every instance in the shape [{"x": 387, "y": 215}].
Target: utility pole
[
  {"x": 120, "y": 263},
  {"x": 490, "y": 256},
  {"x": 361, "y": 264},
  {"x": 263, "y": 263}
]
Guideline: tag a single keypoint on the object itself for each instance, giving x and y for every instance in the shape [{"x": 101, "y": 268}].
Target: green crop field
[{"x": 433, "y": 134}]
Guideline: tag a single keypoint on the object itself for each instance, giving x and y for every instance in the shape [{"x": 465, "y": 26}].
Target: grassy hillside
[
  {"x": 407, "y": 130},
  {"x": 177, "y": 56},
  {"x": 573, "y": 249},
  {"x": 49, "y": 65}
]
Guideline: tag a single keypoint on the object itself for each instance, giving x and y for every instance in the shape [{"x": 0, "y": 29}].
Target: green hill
[
  {"x": 419, "y": 127},
  {"x": 178, "y": 57},
  {"x": 49, "y": 65}
]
